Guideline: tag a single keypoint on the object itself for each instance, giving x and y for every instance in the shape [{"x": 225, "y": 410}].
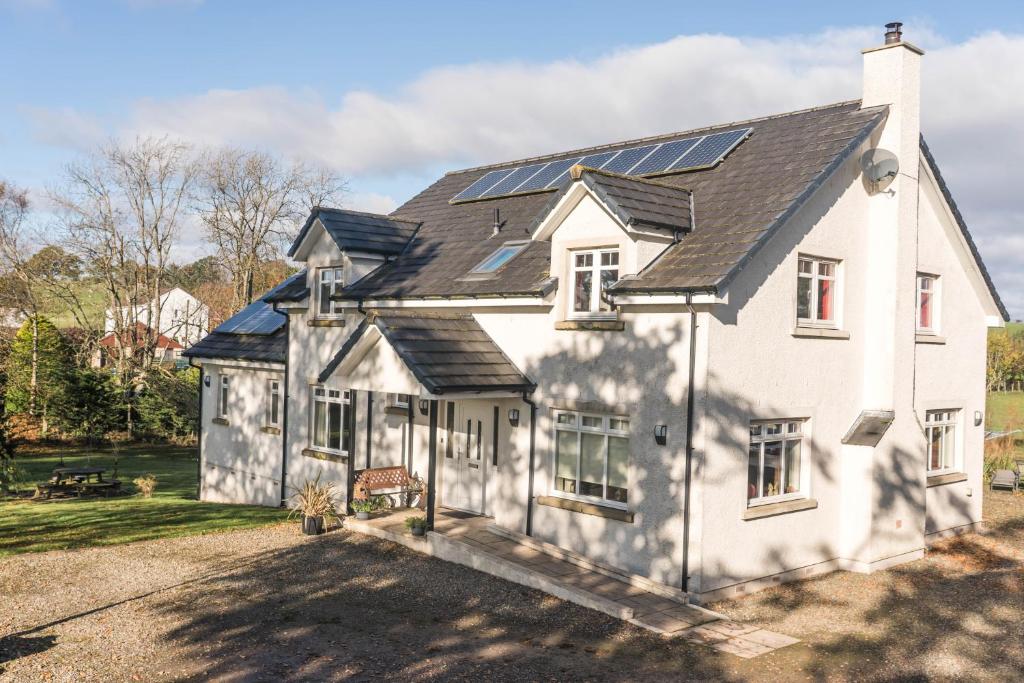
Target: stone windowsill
[
  {"x": 324, "y": 455},
  {"x": 326, "y": 322},
  {"x": 586, "y": 508},
  {"x": 772, "y": 509},
  {"x": 592, "y": 325},
  {"x": 950, "y": 478},
  {"x": 267, "y": 429},
  {"x": 396, "y": 410},
  {"x": 220, "y": 421},
  {"x": 929, "y": 339},
  {"x": 820, "y": 333}
]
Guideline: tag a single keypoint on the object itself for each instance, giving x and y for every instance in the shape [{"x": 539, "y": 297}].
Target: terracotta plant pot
[{"x": 312, "y": 526}]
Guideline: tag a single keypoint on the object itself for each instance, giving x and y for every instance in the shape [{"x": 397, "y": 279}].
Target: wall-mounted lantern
[
  {"x": 513, "y": 417},
  {"x": 206, "y": 380},
  {"x": 424, "y": 406},
  {"x": 660, "y": 434},
  {"x": 978, "y": 417}
]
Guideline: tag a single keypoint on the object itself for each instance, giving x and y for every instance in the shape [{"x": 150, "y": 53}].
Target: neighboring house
[
  {"x": 720, "y": 359},
  {"x": 183, "y": 317},
  {"x": 167, "y": 351}
]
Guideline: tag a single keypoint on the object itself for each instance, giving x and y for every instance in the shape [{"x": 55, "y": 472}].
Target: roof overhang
[{"x": 567, "y": 200}]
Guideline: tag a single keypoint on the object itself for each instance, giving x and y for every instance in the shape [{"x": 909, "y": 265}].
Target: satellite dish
[{"x": 880, "y": 167}]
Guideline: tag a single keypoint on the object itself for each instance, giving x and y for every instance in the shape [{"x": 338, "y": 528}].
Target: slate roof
[
  {"x": 446, "y": 352},
  {"x": 737, "y": 204},
  {"x": 270, "y": 345},
  {"x": 637, "y": 201},
  {"x": 360, "y": 231}
]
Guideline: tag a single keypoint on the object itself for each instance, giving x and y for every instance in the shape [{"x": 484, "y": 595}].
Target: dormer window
[
  {"x": 331, "y": 280},
  {"x": 593, "y": 271},
  {"x": 500, "y": 257}
]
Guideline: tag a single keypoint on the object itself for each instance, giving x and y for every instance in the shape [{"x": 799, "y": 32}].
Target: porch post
[
  {"x": 411, "y": 433},
  {"x": 369, "y": 427},
  {"x": 432, "y": 467},
  {"x": 351, "y": 479}
]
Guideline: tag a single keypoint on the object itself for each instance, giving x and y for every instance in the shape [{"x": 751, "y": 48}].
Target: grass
[
  {"x": 33, "y": 526},
  {"x": 1005, "y": 410}
]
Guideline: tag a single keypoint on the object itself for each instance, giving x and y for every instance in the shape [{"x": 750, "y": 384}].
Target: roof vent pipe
[
  {"x": 497, "y": 222},
  {"x": 893, "y": 32}
]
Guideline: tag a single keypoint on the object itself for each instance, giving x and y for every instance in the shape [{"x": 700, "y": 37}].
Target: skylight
[{"x": 500, "y": 257}]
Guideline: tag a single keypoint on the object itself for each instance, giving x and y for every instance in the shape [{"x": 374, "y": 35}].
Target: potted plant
[
  {"x": 417, "y": 525},
  {"x": 362, "y": 508},
  {"x": 314, "y": 503}
]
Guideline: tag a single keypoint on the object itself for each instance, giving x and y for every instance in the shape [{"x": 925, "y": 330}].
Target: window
[
  {"x": 500, "y": 257},
  {"x": 592, "y": 457},
  {"x": 330, "y": 419},
  {"x": 273, "y": 403},
  {"x": 398, "y": 401},
  {"x": 222, "y": 398},
  {"x": 927, "y": 299},
  {"x": 331, "y": 282},
  {"x": 816, "y": 292},
  {"x": 940, "y": 433},
  {"x": 775, "y": 464},
  {"x": 592, "y": 273}
]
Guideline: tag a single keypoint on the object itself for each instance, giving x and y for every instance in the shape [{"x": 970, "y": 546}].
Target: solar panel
[
  {"x": 482, "y": 185},
  {"x": 710, "y": 150},
  {"x": 628, "y": 158},
  {"x": 256, "y": 318},
  {"x": 550, "y": 172},
  {"x": 663, "y": 157},
  {"x": 590, "y": 161},
  {"x": 513, "y": 180}
]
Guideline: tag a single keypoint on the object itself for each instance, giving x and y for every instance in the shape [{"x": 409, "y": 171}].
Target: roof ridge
[
  {"x": 630, "y": 178},
  {"x": 652, "y": 138},
  {"x": 318, "y": 208}
]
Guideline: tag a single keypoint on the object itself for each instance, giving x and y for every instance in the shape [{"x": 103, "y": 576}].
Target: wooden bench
[{"x": 388, "y": 481}]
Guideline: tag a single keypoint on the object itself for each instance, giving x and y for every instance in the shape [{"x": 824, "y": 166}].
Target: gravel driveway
[{"x": 268, "y": 604}]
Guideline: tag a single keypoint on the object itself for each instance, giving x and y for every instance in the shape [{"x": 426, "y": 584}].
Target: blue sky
[{"x": 392, "y": 95}]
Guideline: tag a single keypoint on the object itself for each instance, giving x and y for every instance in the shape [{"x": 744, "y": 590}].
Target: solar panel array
[
  {"x": 258, "y": 318},
  {"x": 645, "y": 160}
]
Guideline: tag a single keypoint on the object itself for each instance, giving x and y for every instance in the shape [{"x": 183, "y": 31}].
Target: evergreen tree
[{"x": 38, "y": 368}]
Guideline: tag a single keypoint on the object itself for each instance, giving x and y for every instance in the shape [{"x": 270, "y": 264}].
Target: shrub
[
  {"x": 362, "y": 506},
  {"x": 146, "y": 485},
  {"x": 1000, "y": 454},
  {"x": 416, "y": 522},
  {"x": 168, "y": 406},
  {"x": 314, "y": 499},
  {"x": 91, "y": 407}
]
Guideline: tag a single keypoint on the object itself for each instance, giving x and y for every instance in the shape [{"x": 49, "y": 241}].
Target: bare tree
[
  {"x": 249, "y": 201},
  {"x": 122, "y": 210}
]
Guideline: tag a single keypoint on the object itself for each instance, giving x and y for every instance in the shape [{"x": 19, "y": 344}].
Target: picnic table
[{"x": 78, "y": 480}]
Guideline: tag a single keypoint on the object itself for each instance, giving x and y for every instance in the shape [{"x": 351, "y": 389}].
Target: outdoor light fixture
[
  {"x": 206, "y": 380},
  {"x": 424, "y": 405},
  {"x": 977, "y": 418},
  {"x": 660, "y": 434},
  {"x": 513, "y": 417}
]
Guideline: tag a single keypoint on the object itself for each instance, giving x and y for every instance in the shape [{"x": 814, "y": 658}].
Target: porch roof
[{"x": 445, "y": 352}]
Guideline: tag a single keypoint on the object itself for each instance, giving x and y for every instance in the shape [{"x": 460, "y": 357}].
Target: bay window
[
  {"x": 592, "y": 457},
  {"x": 592, "y": 273},
  {"x": 816, "y": 292},
  {"x": 940, "y": 434},
  {"x": 927, "y": 299},
  {"x": 330, "y": 428},
  {"x": 330, "y": 280},
  {"x": 775, "y": 461}
]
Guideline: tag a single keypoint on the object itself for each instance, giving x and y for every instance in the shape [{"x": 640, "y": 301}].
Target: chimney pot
[{"x": 893, "y": 32}]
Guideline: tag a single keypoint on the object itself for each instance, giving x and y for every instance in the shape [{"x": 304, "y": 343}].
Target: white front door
[{"x": 467, "y": 449}]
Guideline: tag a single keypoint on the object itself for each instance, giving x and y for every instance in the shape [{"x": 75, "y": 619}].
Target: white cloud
[
  {"x": 371, "y": 202},
  {"x": 973, "y": 113}
]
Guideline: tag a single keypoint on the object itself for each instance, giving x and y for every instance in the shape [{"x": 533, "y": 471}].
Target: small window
[
  {"x": 592, "y": 273},
  {"x": 500, "y": 257},
  {"x": 816, "y": 292},
  {"x": 273, "y": 403},
  {"x": 222, "y": 398},
  {"x": 927, "y": 301},
  {"x": 775, "y": 461},
  {"x": 592, "y": 457},
  {"x": 331, "y": 281},
  {"x": 398, "y": 401},
  {"x": 940, "y": 434},
  {"x": 330, "y": 428}
]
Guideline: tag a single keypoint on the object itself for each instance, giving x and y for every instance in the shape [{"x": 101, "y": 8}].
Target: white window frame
[
  {"x": 337, "y": 282},
  {"x": 815, "y": 277},
  {"x": 800, "y": 435},
  {"x": 594, "y": 312},
  {"x": 273, "y": 396},
  {"x": 935, "y": 300},
  {"x": 577, "y": 427},
  {"x": 223, "y": 396},
  {"x": 320, "y": 393},
  {"x": 398, "y": 401},
  {"x": 942, "y": 419}
]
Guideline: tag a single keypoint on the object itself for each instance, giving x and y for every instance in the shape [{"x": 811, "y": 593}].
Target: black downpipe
[
  {"x": 369, "y": 427},
  {"x": 689, "y": 443},
  {"x": 432, "y": 466},
  {"x": 199, "y": 433},
  {"x": 533, "y": 442},
  {"x": 284, "y": 410},
  {"x": 351, "y": 479},
  {"x": 412, "y": 431}
]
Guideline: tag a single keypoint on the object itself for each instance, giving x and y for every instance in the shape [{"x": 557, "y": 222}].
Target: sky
[{"x": 392, "y": 95}]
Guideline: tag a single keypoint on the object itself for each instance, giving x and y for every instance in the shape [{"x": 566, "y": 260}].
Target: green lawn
[
  {"x": 31, "y": 526},
  {"x": 1005, "y": 411}
]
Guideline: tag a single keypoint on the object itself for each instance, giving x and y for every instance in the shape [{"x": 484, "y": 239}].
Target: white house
[
  {"x": 182, "y": 317},
  {"x": 718, "y": 359}
]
